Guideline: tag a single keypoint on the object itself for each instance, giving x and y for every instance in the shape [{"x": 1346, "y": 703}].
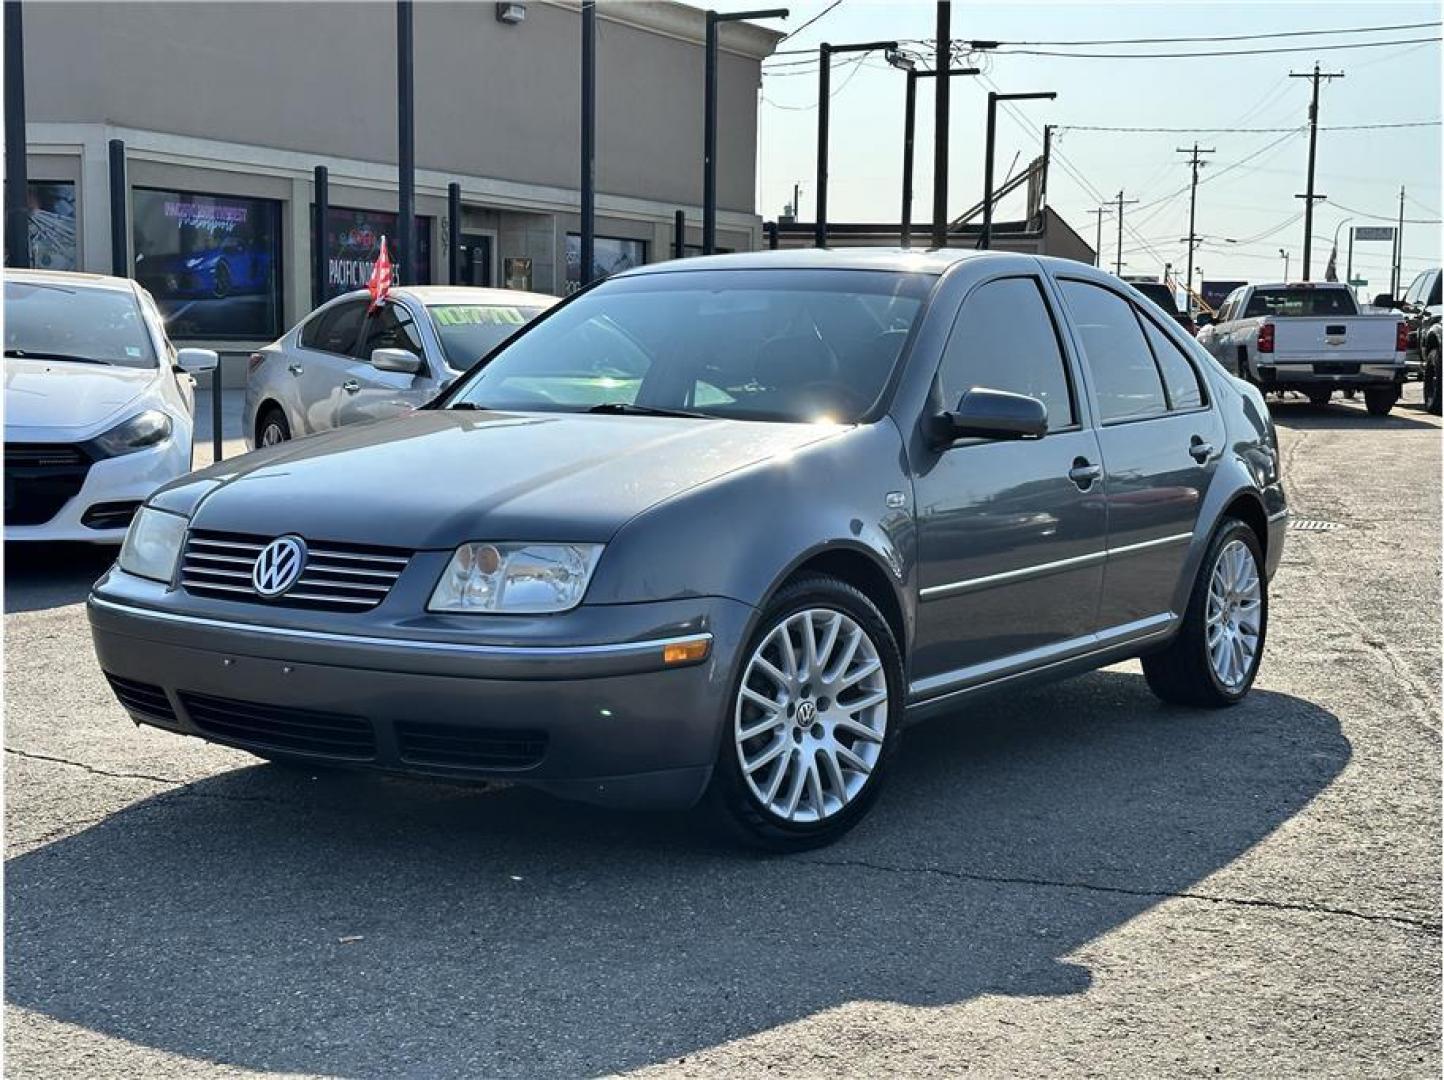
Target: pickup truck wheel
[
  {"x": 1213, "y": 659},
  {"x": 1379, "y": 402},
  {"x": 1319, "y": 398},
  {"x": 813, "y": 721},
  {"x": 1431, "y": 379}
]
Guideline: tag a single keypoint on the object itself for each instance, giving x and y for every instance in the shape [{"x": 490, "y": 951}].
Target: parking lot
[{"x": 1074, "y": 880}]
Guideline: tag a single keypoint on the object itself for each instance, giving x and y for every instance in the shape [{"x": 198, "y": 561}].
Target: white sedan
[{"x": 99, "y": 405}]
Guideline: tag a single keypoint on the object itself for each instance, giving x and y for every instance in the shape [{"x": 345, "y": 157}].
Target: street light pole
[
  {"x": 824, "y": 94},
  {"x": 588, "y": 239},
  {"x": 985, "y": 238},
  {"x": 709, "y": 123},
  {"x": 943, "y": 61},
  {"x": 17, "y": 200},
  {"x": 406, "y": 145},
  {"x": 909, "y": 126},
  {"x": 1285, "y": 255}
]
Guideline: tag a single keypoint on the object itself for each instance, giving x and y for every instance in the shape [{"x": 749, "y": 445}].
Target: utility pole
[
  {"x": 1118, "y": 264},
  {"x": 1196, "y": 163},
  {"x": 942, "y": 62},
  {"x": 1098, "y": 243},
  {"x": 1309, "y": 197},
  {"x": 796, "y": 202},
  {"x": 1398, "y": 276}
]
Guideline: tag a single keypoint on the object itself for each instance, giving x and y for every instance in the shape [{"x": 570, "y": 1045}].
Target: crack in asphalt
[
  {"x": 1278, "y": 905},
  {"x": 32, "y": 756}
]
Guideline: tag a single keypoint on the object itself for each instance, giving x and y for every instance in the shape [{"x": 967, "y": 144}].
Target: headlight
[
  {"x": 515, "y": 578},
  {"x": 153, "y": 544},
  {"x": 141, "y": 430}
]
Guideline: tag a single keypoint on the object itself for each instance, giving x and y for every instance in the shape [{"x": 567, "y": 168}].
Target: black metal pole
[
  {"x": 709, "y": 143},
  {"x": 119, "y": 242},
  {"x": 679, "y": 235},
  {"x": 910, "y": 109},
  {"x": 985, "y": 238},
  {"x": 17, "y": 203},
  {"x": 589, "y": 137},
  {"x": 406, "y": 145},
  {"x": 771, "y": 228},
  {"x": 943, "y": 62},
  {"x": 217, "y": 413},
  {"x": 824, "y": 96},
  {"x": 322, "y": 197},
  {"x": 1349, "y": 272},
  {"x": 453, "y": 233}
]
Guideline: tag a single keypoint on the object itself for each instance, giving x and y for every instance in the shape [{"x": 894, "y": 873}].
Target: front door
[
  {"x": 1161, "y": 440},
  {"x": 367, "y": 394},
  {"x": 1011, "y": 533},
  {"x": 475, "y": 260}
]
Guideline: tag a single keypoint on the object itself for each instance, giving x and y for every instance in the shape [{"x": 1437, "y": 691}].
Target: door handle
[
  {"x": 1084, "y": 472},
  {"x": 1199, "y": 450},
  {"x": 295, "y": 369},
  {"x": 350, "y": 386}
]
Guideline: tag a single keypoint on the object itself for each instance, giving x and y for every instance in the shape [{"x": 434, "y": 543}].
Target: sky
[{"x": 1246, "y": 205}]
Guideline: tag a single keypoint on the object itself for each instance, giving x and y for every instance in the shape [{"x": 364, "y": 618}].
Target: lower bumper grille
[
  {"x": 111, "y": 515},
  {"x": 142, "y": 698},
  {"x": 1336, "y": 367},
  {"x": 250, "y": 724},
  {"x": 40, "y": 478},
  {"x": 468, "y": 748}
]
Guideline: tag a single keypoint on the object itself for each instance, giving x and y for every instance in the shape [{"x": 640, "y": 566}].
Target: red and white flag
[{"x": 379, "y": 286}]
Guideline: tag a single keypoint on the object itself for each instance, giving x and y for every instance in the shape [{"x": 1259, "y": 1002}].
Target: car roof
[
  {"x": 914, "y": 260},
  {"x": 72, "y": 279}
]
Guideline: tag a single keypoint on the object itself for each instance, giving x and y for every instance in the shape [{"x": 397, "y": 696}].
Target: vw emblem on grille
[{"x": 279, "y": 565}]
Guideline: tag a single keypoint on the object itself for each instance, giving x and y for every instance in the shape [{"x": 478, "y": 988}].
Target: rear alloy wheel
[
  {"x": 273, "y": 428},
  {"x": 1379, "y": 402},
  {"x": 1213, "y": 659},
  {"x": 1431, "y": 379},
  {"x": 814, "y": 719}
]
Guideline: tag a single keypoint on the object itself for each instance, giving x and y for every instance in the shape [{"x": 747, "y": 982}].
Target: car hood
[
  {"x": 435, "y": 479},
  {"x": 55, "y": 400}
]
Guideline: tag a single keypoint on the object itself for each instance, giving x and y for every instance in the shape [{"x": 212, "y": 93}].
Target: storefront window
[
  {"x": 353, "y": 240},
  {"x": 52, "y": 224},
  {"x": 610, "y": 255},
  {"x": 211, "y": 261}
]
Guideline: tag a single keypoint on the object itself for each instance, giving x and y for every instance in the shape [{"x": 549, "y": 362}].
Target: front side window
[
  {"x": 780, "y": 345},
  {"x": 1124, "y": 376},
  {"x": 389, "y": 327},
  {"x": 470, "y": 331},
  {"x": 1180, "y": 378},
  {"x": 1005, "y": 339},
  {"x": 55, "y": 321},
  {"x": 212, "y": 262}
]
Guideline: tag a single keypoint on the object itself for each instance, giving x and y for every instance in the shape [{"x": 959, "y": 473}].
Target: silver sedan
[{"x": 343, "y": 364}]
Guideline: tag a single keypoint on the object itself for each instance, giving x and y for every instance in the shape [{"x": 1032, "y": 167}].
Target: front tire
[
  {"x": 1213, "y": 660},
  {"x": 1379, "y": 402},
  {"x": 1431, "y": 379},
  {"x": 813, "y": 721}
]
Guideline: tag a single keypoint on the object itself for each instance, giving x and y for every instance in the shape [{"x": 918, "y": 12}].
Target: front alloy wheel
[
  {"x": 813, "y": 719},
  {"x": 1235, "y": 601}
]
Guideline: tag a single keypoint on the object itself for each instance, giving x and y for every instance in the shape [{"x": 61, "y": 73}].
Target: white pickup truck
[{"x": 1310, "y": 337}]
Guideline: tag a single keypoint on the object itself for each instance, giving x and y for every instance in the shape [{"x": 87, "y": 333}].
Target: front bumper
[
  {"x": 1296, "y": 375},
  {"x": 602, "y": 721}
]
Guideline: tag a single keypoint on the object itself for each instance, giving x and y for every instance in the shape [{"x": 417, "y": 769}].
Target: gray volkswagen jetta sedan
[{"x": 716, "y": 530}]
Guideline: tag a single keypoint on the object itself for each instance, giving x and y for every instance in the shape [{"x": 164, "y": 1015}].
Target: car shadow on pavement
[
  {"x": 359, "y": 926},
  {"x": 1298, "y": 415},
  {"x": 40, "y": 576}
]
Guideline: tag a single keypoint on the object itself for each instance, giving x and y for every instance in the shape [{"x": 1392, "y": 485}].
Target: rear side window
[
  {"x": 335, "y": 330},
  {"x": 1125, "y": 378},
  {"x": 1004, "y": 339},
  {"x": 1434, "y": 292},
  {"x": 1180, "y": 377}
]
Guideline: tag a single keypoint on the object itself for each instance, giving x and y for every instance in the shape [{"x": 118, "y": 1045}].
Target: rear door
[
  {"x": 319, "y": 360},
  {"x": 1011, "y": 533},
  {"x": 368, "y": 395},
  {"x": 1161, "y": 440}
]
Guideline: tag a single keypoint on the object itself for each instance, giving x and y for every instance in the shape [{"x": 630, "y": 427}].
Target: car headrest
[{"x": 794, "y": 360}]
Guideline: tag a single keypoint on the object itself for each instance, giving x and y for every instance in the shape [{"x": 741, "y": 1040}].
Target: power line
[
  {"x": 1222, "y": 52},
  {"x": 1383, "y": 217},
  {"x": 1233, "y": 37},
  {"x": 1248, "y": 131},
  {"x": 814, "y": 19}
]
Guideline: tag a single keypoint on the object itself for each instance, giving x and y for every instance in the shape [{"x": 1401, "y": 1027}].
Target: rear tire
[
  {"x": 1187, "y": 671},
  {"x": 826, "y": 719},
  {"x": 1431, "y": 379},
  {"x": 1379, "y": 402},
  {"x": 272, "y": 427}
]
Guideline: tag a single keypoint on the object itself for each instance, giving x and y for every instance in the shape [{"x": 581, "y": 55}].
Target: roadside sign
[{"x": 1374, "y": 232}]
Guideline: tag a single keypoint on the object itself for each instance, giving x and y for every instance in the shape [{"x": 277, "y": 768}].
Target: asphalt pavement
[{"x": 1070, "y": 881}]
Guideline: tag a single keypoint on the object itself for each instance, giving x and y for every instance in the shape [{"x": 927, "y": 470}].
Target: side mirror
[
  {"x": 195, "y": 361},
  {"x": 1203, "y": 319},
  {"x": 1384, "y": 300},
  {"x": 402, "y": 360},
  {"x": 992, "y": 414}
]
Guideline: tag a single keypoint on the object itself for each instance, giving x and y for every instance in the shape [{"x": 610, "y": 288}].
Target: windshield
[
  {"x": 470, "y": 331},
  {"x": 56, "y": 321},
  {"x": 782, "y": 345},
  {"x": 1296, "y": 303}
]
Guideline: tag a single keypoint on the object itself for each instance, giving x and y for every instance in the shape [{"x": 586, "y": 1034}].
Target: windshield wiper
[
  {"x": 629, "y": 408},
  {"x": 23, "y": 354}
]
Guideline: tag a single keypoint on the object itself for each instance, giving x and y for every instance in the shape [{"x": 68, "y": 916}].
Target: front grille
[
  {"x": 40, "y": 478},
  {"x": 446, "y": 745},
  {"x": 143, "y": 699},
  {"x": 336, "y": 577},
  {"x": 250, "y": 724}
]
